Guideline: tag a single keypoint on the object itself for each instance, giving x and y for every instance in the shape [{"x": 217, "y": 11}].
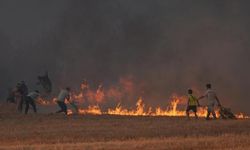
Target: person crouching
[
  {"x": 63, "y": 95},
  {"x": 30, "y": 100}
]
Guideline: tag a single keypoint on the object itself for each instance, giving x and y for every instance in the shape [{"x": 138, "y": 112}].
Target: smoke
[{"x": 167, "y": 46}]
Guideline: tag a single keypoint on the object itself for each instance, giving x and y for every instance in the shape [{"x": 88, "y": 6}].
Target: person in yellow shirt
[{"x": 192, "y": 104}]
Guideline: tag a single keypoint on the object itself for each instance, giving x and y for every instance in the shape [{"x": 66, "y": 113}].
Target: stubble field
[{"x": 56, "y": 132}]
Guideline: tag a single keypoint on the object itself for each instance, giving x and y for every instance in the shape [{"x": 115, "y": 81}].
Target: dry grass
[{"x": 117, "y": 132}]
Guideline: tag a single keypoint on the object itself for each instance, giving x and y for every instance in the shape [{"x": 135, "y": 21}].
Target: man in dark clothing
[
  {"x": 30, "y": 100},
  {"x": 22, "y": 89}
]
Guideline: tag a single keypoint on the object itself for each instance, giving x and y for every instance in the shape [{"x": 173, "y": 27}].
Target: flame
[
  {"x": 94, "y": 110},
  {"x": 242, "y": 116},
  {"x": 141, "y": 110},
  {"x": 96, "y": 97}
]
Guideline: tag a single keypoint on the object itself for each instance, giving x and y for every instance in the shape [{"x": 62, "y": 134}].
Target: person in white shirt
[
  {"x": 63, "y": 95},
  {"x": 30, "y": 100},
  {"x": 212, "y": 99}
]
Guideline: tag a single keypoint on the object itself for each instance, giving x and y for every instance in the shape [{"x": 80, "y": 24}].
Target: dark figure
[
  {"x": 45, "y": 82},
  {"x": 30, "y": 100},
  {"x": 226, "y": 113},
  {"x": 11, "y": 96},
  {"x": 63, "y": 95},
  {"x": 192, "y": 104},
  {"x": 85, "y": 91},
  {"x": 22, "y": 89}
]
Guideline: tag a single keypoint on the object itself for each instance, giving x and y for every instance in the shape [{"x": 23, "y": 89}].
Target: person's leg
[
  {"x": 33, "y": 104},
  {"x": 64, "y": 106},
  {"x": 20, "y": 104},
  {"x": 61, "y": 107},
  {"x": 196, "y": 116},
  {"x": 27, "y": 101},
  {"x": 187, "y": 112},
  {"x": 214, "y": 114},
  {"x": 195, "y": 112},
  {"x": 210, "y": 109},
  {"x": 208, "y": 113}
]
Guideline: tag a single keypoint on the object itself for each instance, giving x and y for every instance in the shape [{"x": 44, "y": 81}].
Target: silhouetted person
[
  {"x": 11, "y": 98},
  {"x": 22, "y": 89},
  {"x": 30, "y": 100},
  {"x": 63, "y": 95},
  {"x": 192, "y": 104},
  {"x": 45, "y": 82},
  {"x": 85, "y": 92},
  {"x": 212, "y": 100}
]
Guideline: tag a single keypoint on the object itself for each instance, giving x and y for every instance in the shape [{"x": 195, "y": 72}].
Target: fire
[
  {"x": 141, "y": 110},
  {"x": 94, "y": 110},
  {"x": 242, "y": 116},
  {"x": 94, "y": 98}
]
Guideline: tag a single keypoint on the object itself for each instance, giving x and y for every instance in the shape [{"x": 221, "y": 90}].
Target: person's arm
[
  {"x": 188, "y": 102},
  {"x": 38, "y": 96},
  {"x": 68, "y": 97},
  {"x": 218, "y": 101},
  {"x": 203, "y": 96},
  {"x": 200, "y": 98},
  {"x": 198, "y": 102}
]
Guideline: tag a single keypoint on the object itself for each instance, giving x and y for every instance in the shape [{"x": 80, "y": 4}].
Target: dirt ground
[{"x": 57, "y": 132}]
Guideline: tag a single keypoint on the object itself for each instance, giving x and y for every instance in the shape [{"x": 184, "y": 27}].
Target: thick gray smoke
[{"x": 169, "y": 46}]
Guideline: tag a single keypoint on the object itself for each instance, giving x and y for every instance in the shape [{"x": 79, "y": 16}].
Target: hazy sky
[{"x": 169, "y": 45}]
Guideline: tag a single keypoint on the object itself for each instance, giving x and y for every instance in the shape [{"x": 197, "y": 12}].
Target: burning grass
[{"x": 141, "y": 110}]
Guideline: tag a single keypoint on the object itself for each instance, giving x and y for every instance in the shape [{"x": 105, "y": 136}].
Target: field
[{"x": 56, "y": 132}]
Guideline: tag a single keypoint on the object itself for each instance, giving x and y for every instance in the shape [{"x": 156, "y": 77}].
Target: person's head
[
  {"x": 37, "y": 91},
  {"x": 68, "y": 89},
  {"x": 209, "y": 86},
  {"x": 190, "y": 91}
]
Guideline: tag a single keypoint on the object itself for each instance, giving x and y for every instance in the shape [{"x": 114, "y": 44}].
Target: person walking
[
  {"x": 192, "y": 104},
  {"x": 212, "y": 99}
]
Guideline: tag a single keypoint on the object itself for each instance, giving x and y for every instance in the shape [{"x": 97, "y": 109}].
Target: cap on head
[
  {"x": 190, "y": 91},
  {"x": 209, "y": 86}
]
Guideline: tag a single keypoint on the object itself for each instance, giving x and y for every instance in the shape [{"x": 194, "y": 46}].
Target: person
[
  {"x": 11, "y": 98},
  {"x": 22, "y": 89},
  {"x": 30, "y": 100},
  {"x": 85, "y": 93},
  {"x": 99, "y": 96},
  {"x": 212, "y": 100},
  {"x": 192, "y": 104},
  {"x": 63, "y": 95},
  {"x": 45, "y": 82}
]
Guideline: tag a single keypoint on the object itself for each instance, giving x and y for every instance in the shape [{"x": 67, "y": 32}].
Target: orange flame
[{"x": 96, "y": 97}]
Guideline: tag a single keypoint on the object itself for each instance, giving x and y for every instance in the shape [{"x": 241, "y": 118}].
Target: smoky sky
[{"x": 169, "y": 45}]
